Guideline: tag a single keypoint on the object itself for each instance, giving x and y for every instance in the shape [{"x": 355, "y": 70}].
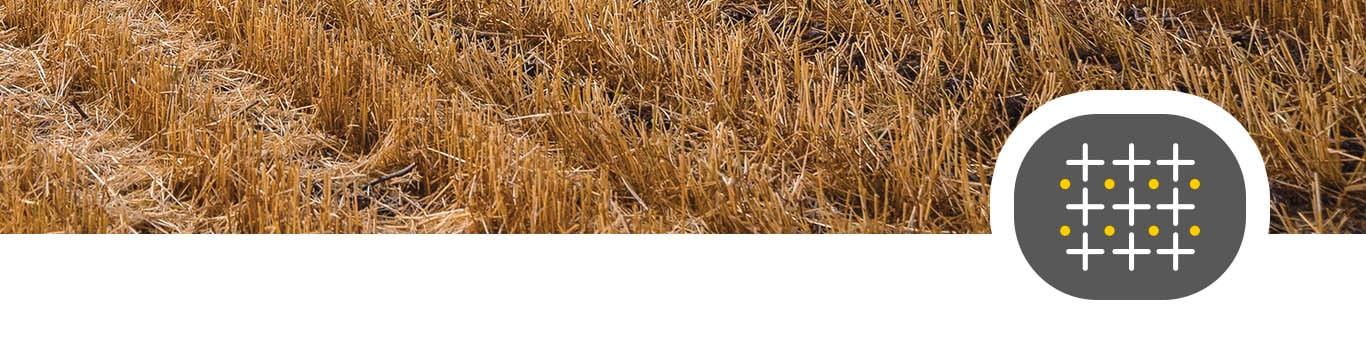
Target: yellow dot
[
  {"x": 1152, "y": 230},
  {"x": 1109, "y": 230},
  {"x": 1065, "y": 230},
  {"x": 1065, "y": 184},
  {"x": 1195, "y": 183},
  {"x": 1109, "y": 183},
  {"x": 1152, "y": 183},
  {"x": 1195, "y": 230}
]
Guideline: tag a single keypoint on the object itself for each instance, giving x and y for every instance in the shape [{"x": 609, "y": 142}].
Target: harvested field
[{"x": 615, "y": 116}]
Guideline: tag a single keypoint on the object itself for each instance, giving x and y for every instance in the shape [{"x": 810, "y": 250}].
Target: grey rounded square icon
[{"x": 1147, "y": 206}]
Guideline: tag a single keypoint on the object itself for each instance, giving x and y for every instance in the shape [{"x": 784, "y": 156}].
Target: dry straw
[{"x": 877, "y": 116}]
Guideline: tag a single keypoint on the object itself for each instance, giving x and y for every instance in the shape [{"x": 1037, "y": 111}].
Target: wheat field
[{"x": 618, "y": 116}]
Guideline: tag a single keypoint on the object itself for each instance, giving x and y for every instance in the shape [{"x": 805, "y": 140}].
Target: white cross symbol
[
  {"x": 1176, "y": 163},
  {"x": 1085, "y": 207},
  {"x": 1131, "y": 162},
  {"x": 1131, "y": 206},
  {"x": 1176, "y": 252},
  {"x": 1085, "y": 251},
  {"x": 1176, "y": 206},
  {"x": 1131, "y": 251},
  {"x": 1086, "y": 162}
]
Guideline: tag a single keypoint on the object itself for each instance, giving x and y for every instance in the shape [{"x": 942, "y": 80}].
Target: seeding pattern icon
[
  {"x": 1112, "y": 205},
  {"x": 1084, "y": 206}
]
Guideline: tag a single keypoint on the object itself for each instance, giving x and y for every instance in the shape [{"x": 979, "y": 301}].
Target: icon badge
[{"x": 1130, "y": 194}]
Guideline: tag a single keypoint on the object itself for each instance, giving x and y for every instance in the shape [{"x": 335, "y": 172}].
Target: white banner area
[{"x": 840, "y": 287}]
